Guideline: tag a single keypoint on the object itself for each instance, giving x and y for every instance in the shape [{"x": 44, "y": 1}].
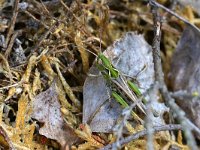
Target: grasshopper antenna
[
  {"x": 100, "y": 36},
  {"x": 91, "y": 52}
]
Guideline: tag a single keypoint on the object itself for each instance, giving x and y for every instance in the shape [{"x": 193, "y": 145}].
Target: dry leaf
[
  {"x": 130, "y": 55},
  {"x": 46, "y": 109},
  {"x": 185, "y": 72}
]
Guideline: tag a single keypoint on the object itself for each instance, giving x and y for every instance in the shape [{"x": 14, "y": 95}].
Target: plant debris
[
  {"x": 184, "y": 74},
  {"x": 54, "y": 126},
  {"x": 47, "y": 51},
  {"x": 98, "y": 111}
]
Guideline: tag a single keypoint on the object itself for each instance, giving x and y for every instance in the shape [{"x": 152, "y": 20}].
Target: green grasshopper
[
  {"x": 110, "y": 73},
  {"x": 113, "y": 73},
  {"x": 114, "y": 77}
]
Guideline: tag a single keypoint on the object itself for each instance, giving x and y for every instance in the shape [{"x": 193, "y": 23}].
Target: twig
[
  {"x": 180, "y": 114},
  {"x": 183, "y": 94},
  {"x": 118, "y": 129},
  {"x": 137, "y": 135},
  {"x": 37, "y": 20},
  {"x": 127, "y": 112},
  {"x": 43, "y": 37},
  {"x": 149, "y": 125},
  {"x": 157, "y": 68},
  {"x": 12, "y": 23},
  {"x": 9, "y": 86},
  {"x": 10, "y": 45},
  {"x": 8, "y": 140},
  {"x": 152, "y": 2},
  {"x": 45, "y": 8},
  {"x": 75, "y": 17},
  {"x": 7, "y": 67},
  {"x": 159, "y": 76}
]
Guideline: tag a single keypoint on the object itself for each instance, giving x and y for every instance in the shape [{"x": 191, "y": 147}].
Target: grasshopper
[{"x": 113, "y": 75}]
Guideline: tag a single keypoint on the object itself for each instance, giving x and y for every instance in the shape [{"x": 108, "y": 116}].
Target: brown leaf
[
  {"x": 46, "y": 109},
  {"x": 185, "y": 72}
]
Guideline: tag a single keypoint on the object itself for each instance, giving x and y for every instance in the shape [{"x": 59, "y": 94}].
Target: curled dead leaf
[{"x": 46, "y": 109}]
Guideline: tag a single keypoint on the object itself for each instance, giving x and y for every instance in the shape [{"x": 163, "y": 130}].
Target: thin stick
[
  {"x": 42, "y": 38},
  {"x": 152, "y": 2},
  {"x": 6, "y": 137},
  {"x": 142, "y": 133},
  {"x": 118, "y": 129},
  {"x": 12, "y": 23},
  {"x": 181, "y": 94},
  {"x": 149, "y": 125},
  {"x": 9, "y": 86},
  {"x": 159, "y": 76},
  {"x": 37, "y": 20},
  {"x": 7, "y": 67},
  {"x": 10, "y": 45},
  {"x": 75, "y": 17}
]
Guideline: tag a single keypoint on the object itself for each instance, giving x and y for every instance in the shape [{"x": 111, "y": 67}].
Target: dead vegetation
[{"x": 44, "y": 64}]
